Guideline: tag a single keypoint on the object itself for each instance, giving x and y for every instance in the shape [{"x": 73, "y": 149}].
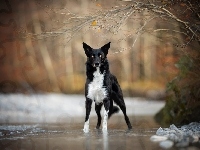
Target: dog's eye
[{"x": 92, "y": 56}]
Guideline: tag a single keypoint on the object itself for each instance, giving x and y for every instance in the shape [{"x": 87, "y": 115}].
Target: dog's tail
[{"x": 114, "y": 110}]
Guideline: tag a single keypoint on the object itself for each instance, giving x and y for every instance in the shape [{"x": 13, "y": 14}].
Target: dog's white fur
[{"x": 96, "y": 91}]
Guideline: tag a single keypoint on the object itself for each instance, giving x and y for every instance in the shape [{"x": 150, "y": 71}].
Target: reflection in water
[
  {"x": 100, "y": 139},
  {"x": 87, "y": 140},
  {"x": 105, "y": 140}
]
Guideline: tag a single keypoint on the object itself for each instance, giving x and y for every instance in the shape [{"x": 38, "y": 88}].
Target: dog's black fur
[{"x": 98, "y": 58}]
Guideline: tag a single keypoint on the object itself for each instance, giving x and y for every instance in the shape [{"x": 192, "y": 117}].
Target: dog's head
[{"x": 96, "y": 57}]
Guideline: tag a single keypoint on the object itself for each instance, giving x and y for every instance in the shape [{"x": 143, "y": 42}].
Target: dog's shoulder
[{"x": 115, "y": 85}]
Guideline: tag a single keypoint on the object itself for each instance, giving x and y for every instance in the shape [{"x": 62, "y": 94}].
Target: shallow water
[{"x": 64, "y": 136}]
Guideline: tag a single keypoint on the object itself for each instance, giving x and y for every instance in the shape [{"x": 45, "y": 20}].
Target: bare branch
[{"x": 113, "y": 19}]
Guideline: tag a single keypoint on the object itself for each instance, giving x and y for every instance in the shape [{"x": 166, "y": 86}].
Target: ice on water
[{"x": 182, "y": 136}]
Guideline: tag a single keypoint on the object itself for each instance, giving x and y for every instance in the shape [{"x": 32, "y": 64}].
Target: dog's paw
[
  {"x": 129, "y": 127},
  {"x": 86, "y": 127},
  {"x": 104, "y": 128},
  {"x": 86, "y": 130},
  {"x": 129, "y": 130},
  {"x": 97, "y": 128}
]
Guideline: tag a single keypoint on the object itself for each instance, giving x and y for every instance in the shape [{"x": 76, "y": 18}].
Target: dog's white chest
[{"x": 96, "y": 91}]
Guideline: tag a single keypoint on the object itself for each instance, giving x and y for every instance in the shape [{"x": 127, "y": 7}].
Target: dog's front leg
[
  {"x": 98, "y": 111},
  {"x": 88, "y": 105},
  {"x": 106, "y": 103}
]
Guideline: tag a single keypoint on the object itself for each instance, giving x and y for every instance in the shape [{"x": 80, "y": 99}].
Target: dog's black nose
[{"x": 96, "y": 64}]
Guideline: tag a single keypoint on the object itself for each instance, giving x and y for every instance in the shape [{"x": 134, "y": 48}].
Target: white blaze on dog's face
[{"x": 96, "y": 56}]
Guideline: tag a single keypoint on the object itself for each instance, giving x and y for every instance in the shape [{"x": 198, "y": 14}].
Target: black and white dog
[{"x": 101, "y": 87}]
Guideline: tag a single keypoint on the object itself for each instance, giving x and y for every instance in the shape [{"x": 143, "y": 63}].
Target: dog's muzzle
[{"x": 96, "y": 64}]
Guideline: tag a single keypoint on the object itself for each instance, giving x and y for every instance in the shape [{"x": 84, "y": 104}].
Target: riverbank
[{"x": 55, "y": 108}]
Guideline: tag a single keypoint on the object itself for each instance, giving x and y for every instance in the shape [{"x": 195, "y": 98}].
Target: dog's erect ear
[
  {"x": 87, "y": 49},
  {"x": 105, "y": 48}
]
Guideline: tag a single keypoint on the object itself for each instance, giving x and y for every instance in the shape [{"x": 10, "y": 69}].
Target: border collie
[{"x": 101, "y": 87}]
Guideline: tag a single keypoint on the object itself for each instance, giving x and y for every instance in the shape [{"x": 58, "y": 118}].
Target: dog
[{"x": 101, "y": 87}]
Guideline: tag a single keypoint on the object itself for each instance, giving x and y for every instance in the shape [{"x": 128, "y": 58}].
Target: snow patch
[
  {"x": 182, "y": 136},
  {"x": 166, "y": 144},
  {"x": 54, "y": 108}
]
